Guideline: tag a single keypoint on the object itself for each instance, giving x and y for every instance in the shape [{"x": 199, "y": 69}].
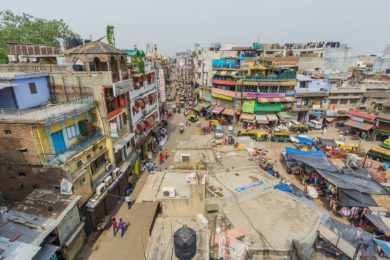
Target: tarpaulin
[
  {"x": 328, "y": 142},
  {"x": 384, "y": 245},
  {"x": 345, "y": 181},
  {"x": 305, "y": 140},
  {"x": 283, "y": 187},
  {"x": 316, "y": 162},
  {"x": 353, "y": 198},
  {"x": 290, "y": 151},
  {"x": 380, "y": 222}
]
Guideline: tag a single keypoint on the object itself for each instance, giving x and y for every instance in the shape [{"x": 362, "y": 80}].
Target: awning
[
  {"x": 384, "y": 245},
  {"x": 228, "y": 112},
  {"x": 218, "y": 110},
  {"x": 261, "y": 119},
  {"x": 149, "y": 121},
  {"x": 247, "y": 117},
  {"x": 7, "y": 84},
  {"x": 379, "y": 221},
  {"x": 327, "y": 142},
  {"x": 139, "y": 103},
  {"x": 146, "y": 100},
  {"x": 141, "y": 126},
  {"x": 152, "y": 97},
  {"x": 226, "y": 73},
  {"x": 272, "y": 117},
  {"x": 354, "y": 198},
  {"x": 290, "y": 115},
  {"x": 330, "y": 119},
  {"x": 276, "y": 100},
  {"x": 305, "y": 140},
  {"x": 290, "y": 151},
  {"x": 135, "y": 109},
  {"x": 137, "y": 131},
  {"x": 358, "y": 125},
  {"x": 155, "y": 115},
  {"x": 119, "y": 145}
]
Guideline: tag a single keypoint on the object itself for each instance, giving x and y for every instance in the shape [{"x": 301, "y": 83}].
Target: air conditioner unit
[
  {"x": 185, "y": 157},
  {"x": 109, "y": 167},
  {"x": 108, "y": 180},
  {"x": 168, "y": 192},
  {"x": 101, "y": 188},
  {"x": 115, "y": 173}
]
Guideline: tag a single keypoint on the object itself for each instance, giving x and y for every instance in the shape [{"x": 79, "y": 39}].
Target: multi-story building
[
  {"x": 344, "y": 96},
  {"x": 185, "y": 68},
  {"x": 382, "y": 127},
  {"x": 143, "y": 104}
]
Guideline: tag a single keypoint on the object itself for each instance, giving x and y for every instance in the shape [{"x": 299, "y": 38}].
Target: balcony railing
[
  {"x": 84, "y": 142},
  {"x": 299, "y": 107},
  {"x": 274, "y": 77},
  {"x": 226, "y": 66}
]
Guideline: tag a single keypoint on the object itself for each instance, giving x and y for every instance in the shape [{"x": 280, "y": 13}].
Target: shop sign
[
  {"x": 222, "y": 96},
  {"x": 290, "y": 93},
  {"x": 161, "y": 85},
  {"x": 253, "y": 95},
  {"x": 248, "y": 106},
  {"x": 222, "y": 92}
]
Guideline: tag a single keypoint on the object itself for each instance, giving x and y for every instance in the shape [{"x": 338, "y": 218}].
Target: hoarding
[{"x": 161, "y": 85}]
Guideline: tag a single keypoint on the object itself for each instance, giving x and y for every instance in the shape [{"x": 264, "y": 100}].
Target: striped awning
[
  {"x": 276, "y": 100},
  {"x": 228, "y": 112},
  {"x": 226, "y": 73}
]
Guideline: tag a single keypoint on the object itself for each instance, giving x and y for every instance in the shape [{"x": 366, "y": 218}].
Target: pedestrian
[
  {"x": 128, "y": 201},
  {"x": 324, "y": 131},
  {"x": 114, "y": 225},
  {"x": 121, "y": 225},
  {"x": 161, "y": 158},
  {"x": 166, "y": 153}
]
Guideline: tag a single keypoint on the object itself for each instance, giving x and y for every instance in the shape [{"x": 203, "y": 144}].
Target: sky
[{"x": 176, "y": 25}]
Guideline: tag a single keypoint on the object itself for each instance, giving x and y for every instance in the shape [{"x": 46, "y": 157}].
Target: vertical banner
[{"x": 161, "y": 85}]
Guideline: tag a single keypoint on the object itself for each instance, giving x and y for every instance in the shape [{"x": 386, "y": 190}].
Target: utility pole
[{"x": 234, "y": 104}]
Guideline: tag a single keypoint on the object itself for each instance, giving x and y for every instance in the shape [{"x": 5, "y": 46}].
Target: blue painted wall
[
  {"x": 6, "y": 98},
  {"x": 24, "y": 98}
]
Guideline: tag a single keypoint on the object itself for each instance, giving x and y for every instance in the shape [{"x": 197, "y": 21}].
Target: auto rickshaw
[
  {"x": 192, "y": 118},
  {"x": 250, "y": 133},
  {"x": 386, "y": 144},
  {"x": 299, "y": 128},
  {"x": 280, "y": 137},
  {"x": 261, "y": 136},
  {"x": 214, "y": 122}
]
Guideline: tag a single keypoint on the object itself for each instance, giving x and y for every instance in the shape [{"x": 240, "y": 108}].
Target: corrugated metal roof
[{"x": 95, "y": 47}]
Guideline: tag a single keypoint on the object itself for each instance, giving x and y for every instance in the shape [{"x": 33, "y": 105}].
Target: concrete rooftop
[{"x": 272, "y": 220}]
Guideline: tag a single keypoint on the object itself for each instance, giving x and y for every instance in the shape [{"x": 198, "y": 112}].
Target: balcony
[
  {"x": 84, "y": 142},
  {"x": 274, "y": 77},
  {"x": 48, "y": 114},
  {"x": 348, "y": 90},
  {"x": 145, "y": 88},
  {"x": 226, "y": 66}
]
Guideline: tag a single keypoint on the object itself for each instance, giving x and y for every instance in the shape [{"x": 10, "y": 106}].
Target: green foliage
[
  {"x": 110, "y": 34},
  {"x": 28, "y": 29}
]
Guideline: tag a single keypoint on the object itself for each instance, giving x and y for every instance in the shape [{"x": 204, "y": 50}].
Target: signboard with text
[
  {"x": 161, "y": 85},
  {"x": 222, "y": 92},
  {"x": 253, "y": 95}
]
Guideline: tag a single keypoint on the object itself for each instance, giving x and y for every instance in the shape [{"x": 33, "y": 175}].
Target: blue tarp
[
  {"x": 384, "y": 245},
  {"x": 290, "y": 150},
  {"x": 305, "y": 140},
  {"x": 283, "y": 187}
]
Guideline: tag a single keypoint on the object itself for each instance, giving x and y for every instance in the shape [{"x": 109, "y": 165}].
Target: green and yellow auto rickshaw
[
  {"x": 386, "y": 144},
  {"x": 259, "y": 136},
  {"x": 280, "y": 137},
  {"x": 192, "y": 118},
  {"x": 250, "y": 133},
  {"x": 299, "y": 128}
]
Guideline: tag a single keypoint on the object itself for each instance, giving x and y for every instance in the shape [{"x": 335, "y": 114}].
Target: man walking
[
  {"x": 161, "y": 158},
  {"x": 128, "y": 201},
  {"x": 121, "y": 225},
  {"x": 114, "y": 225},
  {"x": 166, "y": 153}
]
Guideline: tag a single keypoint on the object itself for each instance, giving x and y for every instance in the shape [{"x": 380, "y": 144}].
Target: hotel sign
[{"x": 122, "y": 87}]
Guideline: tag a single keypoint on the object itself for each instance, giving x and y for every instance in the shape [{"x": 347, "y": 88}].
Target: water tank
[{"x": 184, "y": 241}]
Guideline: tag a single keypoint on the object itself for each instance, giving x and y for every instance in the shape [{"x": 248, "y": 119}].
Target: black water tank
[{"x": 184, "y": 241}]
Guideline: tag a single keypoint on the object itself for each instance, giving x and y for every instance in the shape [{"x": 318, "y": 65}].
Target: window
[
  {"x": 343, "y": 101},
  {"x": 94, "y": 117},
  {"x": 21, "y": 174},
  {"x": 79, "y": 164},
  {"x": 99, "y": 162},
  {"x": 7, "y": 131},
  {"x": 82, "y": 181},
  {"x": 353, "y": 101},
  {"x": 71, "y": 131},
  {"x": 33, "y": 88},
  {"x": 89, "y": 157}
]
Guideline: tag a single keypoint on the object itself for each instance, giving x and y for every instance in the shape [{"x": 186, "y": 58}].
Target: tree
[{"x": 28, "y": 29}]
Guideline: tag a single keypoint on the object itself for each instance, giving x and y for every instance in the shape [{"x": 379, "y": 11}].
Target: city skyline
[{"x": 175, "y": 25}]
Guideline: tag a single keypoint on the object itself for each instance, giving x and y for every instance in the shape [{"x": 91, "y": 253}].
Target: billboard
[{"x": 161, "y": 85}]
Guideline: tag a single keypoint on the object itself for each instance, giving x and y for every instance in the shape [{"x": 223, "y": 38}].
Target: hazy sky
[{"x": 178, "y": 24}]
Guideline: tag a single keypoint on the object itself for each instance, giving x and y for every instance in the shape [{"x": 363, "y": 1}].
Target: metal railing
[
  {"x": 226, "y": 66},
  {"x": 84, "y": 141},
  {"x": 274, "y": 77}
]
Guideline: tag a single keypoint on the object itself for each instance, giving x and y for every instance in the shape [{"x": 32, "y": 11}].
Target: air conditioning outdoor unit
[
  {"x": 109, "y": 166},
  {"x": 108, "y": 180},
  {"x": 168, "y": 192},
  {"x": 101, "y": 188},
  {"x": 115, "y": 173},
  {"x": 185, "y": 157}
]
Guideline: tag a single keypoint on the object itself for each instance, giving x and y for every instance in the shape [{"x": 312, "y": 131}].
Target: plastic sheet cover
[{"x": 353, "y": 198}]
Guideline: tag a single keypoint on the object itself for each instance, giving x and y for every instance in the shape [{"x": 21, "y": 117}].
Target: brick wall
[
  {"x": 17, "y": 181},
  {"x": 17, "y": 145}
]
